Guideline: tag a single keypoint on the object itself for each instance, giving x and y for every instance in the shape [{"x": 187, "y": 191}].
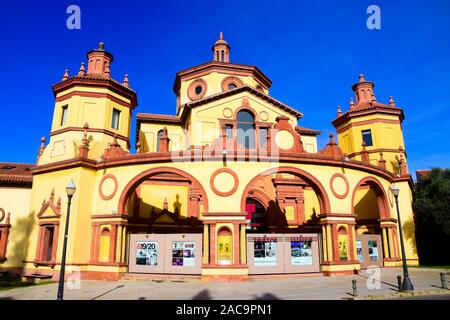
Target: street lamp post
[
  {"x": 406, "y": 285},
  {"x": 70, "y": 189}
]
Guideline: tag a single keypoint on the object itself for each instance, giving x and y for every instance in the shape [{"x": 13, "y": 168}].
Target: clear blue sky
[{"x": 312, "y": 50}]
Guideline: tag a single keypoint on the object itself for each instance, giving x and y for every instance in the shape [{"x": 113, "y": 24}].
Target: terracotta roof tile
[{"x": 15, "y": 173}]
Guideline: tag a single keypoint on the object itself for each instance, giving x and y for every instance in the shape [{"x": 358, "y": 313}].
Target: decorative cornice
[
  {"x": 220, "y": 66},
  {"x": 97, "y": 81}
]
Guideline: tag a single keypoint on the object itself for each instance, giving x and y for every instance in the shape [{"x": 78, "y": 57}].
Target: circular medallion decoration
[
  {"x": 224, "y": 182},
  {"x": 227, "y": 112},
  {"x": 284, "y": 139},
  {"x": 339, "y": 185},
  {"x": 229, "y": 83},
  {"x": 264, "y": 116},
  {"x": 108, "y": 187},
  {"x": 197, "y": 89},
  {"x": 2, "y": 214}
]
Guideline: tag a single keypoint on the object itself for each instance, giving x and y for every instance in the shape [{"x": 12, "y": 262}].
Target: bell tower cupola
[
  {"x": 99, "y": 61},
  {"x": 221, "y": 50},
  {"x": 363, "y": 90}
]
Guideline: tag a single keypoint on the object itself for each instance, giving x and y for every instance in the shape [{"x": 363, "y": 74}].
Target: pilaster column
[
  {"x": 243, "y": 244},
  {"x": 335, "y": 242},
  {"x": 112, "y": 243},
  {"x": 390, "y": 241},
  {"x": 236, "y": 244},
  {"x": 124, "y": 244},
  {"x": 205, "y": 244},
  {"x": 119, "y": 244},
  {"x": 385, "y": 243},
  {"x": 324, "y": 243},
  {"x": 212, "y": 244},
  {"x": 329, "y": 243}
]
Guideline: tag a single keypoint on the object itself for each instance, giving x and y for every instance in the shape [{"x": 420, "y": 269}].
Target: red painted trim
[
  {"x": 347, "y": 186},
  {"x": 100, "y": 187},
  {"x": 212, "y": 182}
]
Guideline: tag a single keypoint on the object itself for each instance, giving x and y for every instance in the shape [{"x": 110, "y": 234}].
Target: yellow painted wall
[
  {"x": 366, "y": 206},
  {"x": 214, "y": 82},
  {"x": 154, "y": 196},
  {"x": 17, "y": 202},
  {"x": 384, "y": 135}
]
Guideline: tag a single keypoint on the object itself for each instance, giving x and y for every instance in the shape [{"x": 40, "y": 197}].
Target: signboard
[
  {"x": 265, "y": 253},
  {"x": 301, "y": 253},
  {"x": 359, "y": 250},
  {"x": 147, "y": 253},
  {"x": 183, "y": 253}
]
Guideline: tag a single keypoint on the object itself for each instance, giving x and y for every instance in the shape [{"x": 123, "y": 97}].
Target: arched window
[
  {"x": 158, "y": 141},
  {"x": 217, "y": 55},
  {"x": 223, "y": 56},
  {"x": 246, "y": 129}
]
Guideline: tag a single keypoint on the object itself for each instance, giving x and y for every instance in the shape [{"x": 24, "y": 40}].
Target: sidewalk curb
[{"x": 403, "y": 294}]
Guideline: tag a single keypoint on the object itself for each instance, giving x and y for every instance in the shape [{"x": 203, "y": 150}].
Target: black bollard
[
  {"x": 399, "y": 281},
  {"x": 443, "y": 281},
  {"x": 355, "y": 289}
]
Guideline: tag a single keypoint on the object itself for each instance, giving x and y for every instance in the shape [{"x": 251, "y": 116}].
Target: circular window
[
  {"x": 197, "y": 89},
  {"x": 229, "y": 83}
]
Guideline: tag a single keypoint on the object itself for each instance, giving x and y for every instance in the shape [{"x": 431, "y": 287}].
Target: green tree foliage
[{"x": 432, "y": 217}]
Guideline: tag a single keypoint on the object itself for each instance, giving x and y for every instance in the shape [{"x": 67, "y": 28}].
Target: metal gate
[
  {"x": 369, "y": 250},
  {"x": 165, "y": 253}
]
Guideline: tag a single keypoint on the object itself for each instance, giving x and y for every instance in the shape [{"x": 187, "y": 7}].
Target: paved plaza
[{"x": 308, "y": 287}]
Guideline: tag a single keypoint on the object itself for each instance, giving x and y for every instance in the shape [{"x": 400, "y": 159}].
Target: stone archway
[
  {"x": 284, "y": 197},
  {"x": 370, "y": 205},
  {"x": 196, "y": 194}
]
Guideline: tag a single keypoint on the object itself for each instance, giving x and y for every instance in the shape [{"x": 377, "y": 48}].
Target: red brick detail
[
  {"x": 282, "y": 124},
  {"x": 347, "y": 186},
  {"x": 100, "y": 187},
  {"x": 212, "y": 182},
  {"x": 192, "y": 95},
  {"x": 231, "y": 80}
]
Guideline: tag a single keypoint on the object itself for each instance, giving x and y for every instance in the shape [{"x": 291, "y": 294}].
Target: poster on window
[
  {"x": 265, "y": 253},
  {"x": 301, "y": 253},
  {"x": 183, "y": 253},
  {"x": 147, "y": 253},
  {"x": 359, "y": 250},
  {"x": 373, "y": 250},
  {"x": 225, "y": 250},
  {"x": 342, "y": 245}
]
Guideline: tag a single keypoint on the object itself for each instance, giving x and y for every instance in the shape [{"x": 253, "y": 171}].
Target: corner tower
[
  {"x": 371, "y": 131},
  {"x": 91, "y": 111}
]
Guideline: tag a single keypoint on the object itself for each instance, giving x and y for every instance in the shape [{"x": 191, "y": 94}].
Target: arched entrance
[
  {"x": 283, "y": 207},
  {"x": 376, "y": 239},
  {"x": 256, "y": 220},
  {"x": 163, "y": 208},
  {"x": 293, "y": 199},
  {"x": 176, "y": 191}
]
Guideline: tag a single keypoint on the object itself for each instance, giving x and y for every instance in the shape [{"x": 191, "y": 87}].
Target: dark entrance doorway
[{"x": 256, "y": 216}]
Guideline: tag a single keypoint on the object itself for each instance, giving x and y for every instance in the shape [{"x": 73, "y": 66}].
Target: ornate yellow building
[{"x": 229, "y": 186}]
